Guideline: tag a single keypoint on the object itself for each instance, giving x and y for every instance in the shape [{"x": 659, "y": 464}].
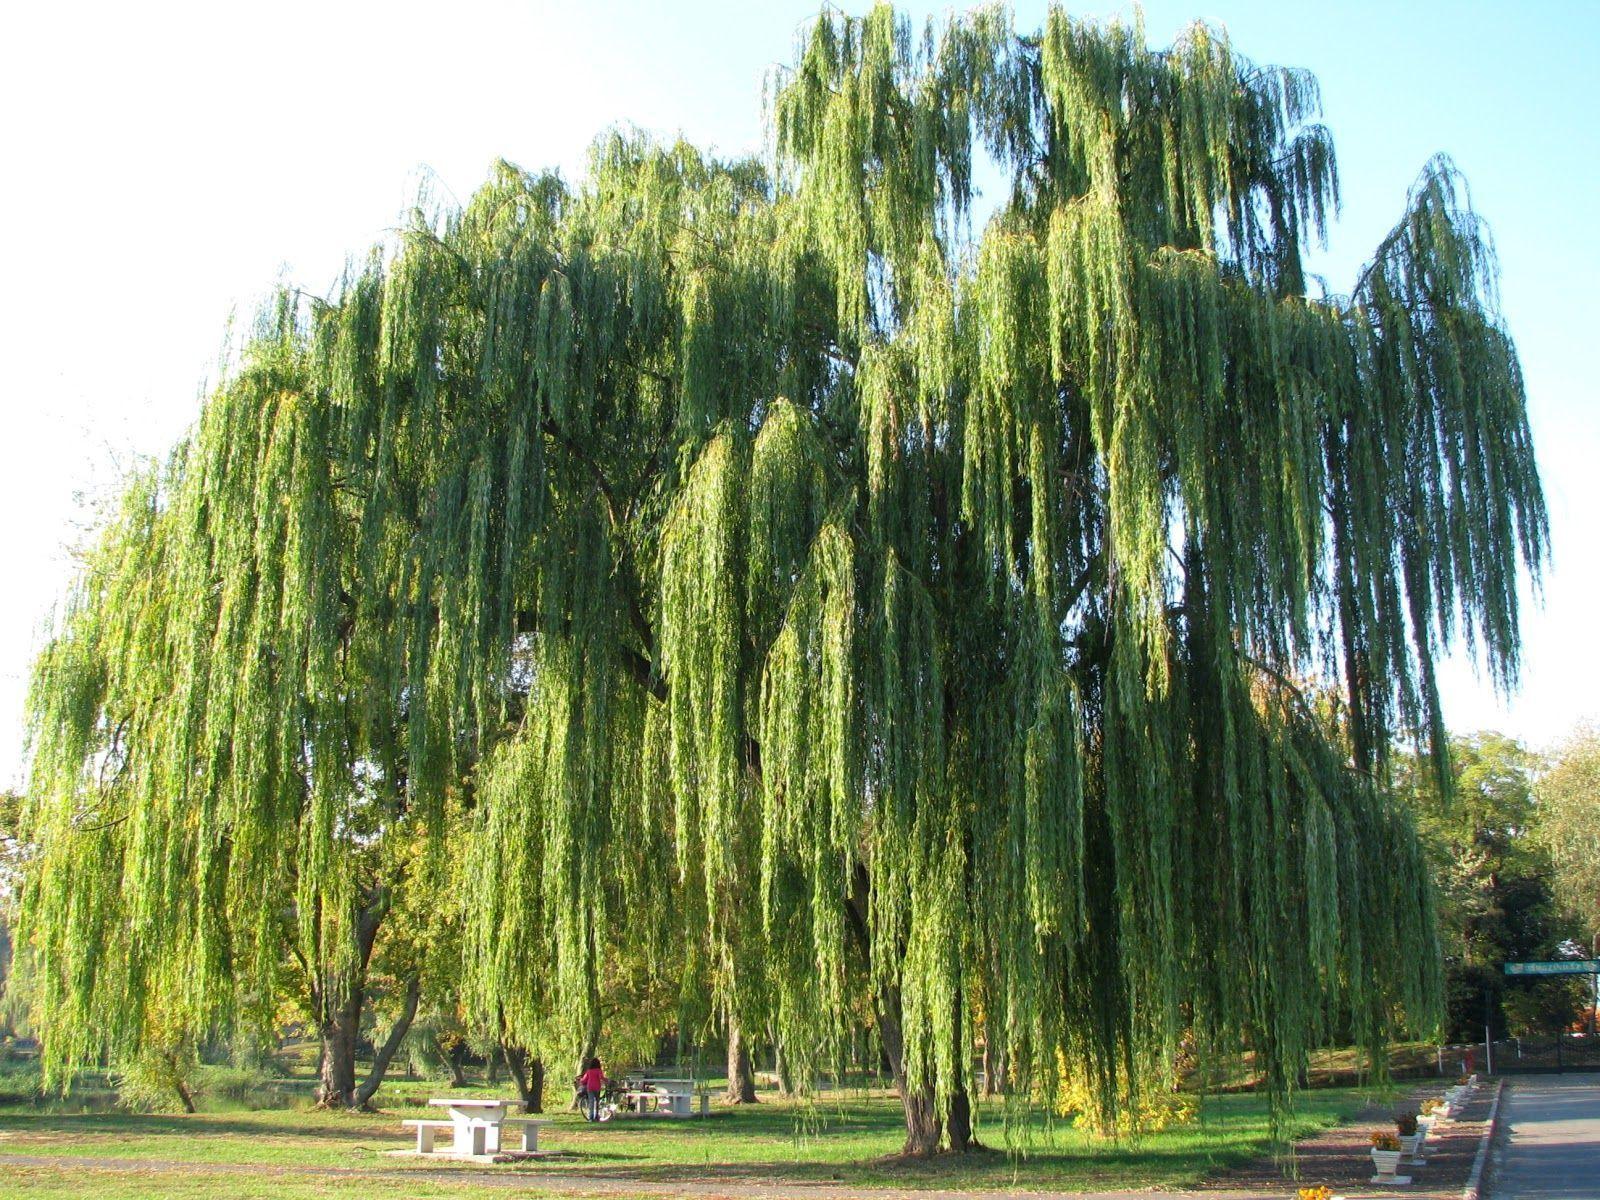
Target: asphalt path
[{"x": 1549, "y": 1145}]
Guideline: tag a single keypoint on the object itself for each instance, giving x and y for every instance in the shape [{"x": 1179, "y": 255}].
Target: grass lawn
[{"x": 845, "y": 1138}]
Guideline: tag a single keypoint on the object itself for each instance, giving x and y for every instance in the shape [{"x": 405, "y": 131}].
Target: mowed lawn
[{"x": 847, "y": 1139}]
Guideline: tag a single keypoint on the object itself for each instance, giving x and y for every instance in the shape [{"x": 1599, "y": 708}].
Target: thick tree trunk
[
  {"x": 338, "y": 1002},
  {"x": 529, "y": 1075},
  {"x": 958, "y": 1125},
  {"x": 386, "y": 1052},
  {"x": 336, "y": 1084},
  {"x": 958, "y": 1121},
  {"x": 741, "y": 1076},
  {"x": 923, "y": 1126}
]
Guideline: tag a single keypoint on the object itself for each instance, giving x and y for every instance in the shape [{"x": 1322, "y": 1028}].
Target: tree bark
[
  {"x": 452, "y": 1060},
  {"x": 994, "y": 1071},
  {"x": 958, "y": 1120},
  {"x": 338, "y": 1003},
  {"x": 958, "y": 1125},
  {"x": 386, "y": 1052},
  {"x": 529, "y": 1075},
  {"x": 741, "y": 1077},
  {"x": 336, "y": 1084},
  {"x": 921, "y": 1111},
  {"x": 924, "y": 1126},
  {"x": 780, "y": 1068},
  {"x": 185, "y": 1096}
]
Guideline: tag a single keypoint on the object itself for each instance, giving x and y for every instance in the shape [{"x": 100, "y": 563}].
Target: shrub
[
  {"x": 248, "y": 1086},
  {"x": 156, "y": 1081},
  {"x": 1150, "y": 1111}
]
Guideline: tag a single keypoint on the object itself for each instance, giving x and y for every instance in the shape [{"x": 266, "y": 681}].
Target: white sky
[{"x": 165, "y": 163}]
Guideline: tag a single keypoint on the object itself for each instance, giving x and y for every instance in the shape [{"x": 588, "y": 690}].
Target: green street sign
[{"x": 1563, "y": 966}]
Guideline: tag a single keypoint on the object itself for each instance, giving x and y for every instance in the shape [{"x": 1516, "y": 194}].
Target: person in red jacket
[{"x": 593, "y": 1082}]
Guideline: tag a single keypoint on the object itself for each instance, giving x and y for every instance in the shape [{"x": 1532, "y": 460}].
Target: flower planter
[
  {"x": 1385, "y": 1163},
  {"x": 1411, "y": 1148}
]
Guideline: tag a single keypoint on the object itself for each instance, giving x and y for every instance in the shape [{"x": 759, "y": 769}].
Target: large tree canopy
[{"x": 812, "y": 598}]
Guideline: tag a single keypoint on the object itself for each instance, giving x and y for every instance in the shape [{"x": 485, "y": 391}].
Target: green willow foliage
[{"x": 808, "y": 600}]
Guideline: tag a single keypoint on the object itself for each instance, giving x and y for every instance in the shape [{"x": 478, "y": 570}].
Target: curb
[{"x": 1475, "y": 1180}]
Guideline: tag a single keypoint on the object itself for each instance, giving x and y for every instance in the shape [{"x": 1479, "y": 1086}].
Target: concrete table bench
[
  {"x": 530, "y": 1131},
  {"x": 428, "y": 1130}
]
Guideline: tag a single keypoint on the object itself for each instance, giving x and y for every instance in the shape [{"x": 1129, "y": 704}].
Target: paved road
[{"x": 1550, "y": 1142}]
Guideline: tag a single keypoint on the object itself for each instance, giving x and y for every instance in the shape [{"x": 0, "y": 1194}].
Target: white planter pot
[{"x": 1385, "y": 1163}]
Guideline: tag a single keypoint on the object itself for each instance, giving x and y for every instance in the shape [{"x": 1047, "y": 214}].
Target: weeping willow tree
[{"x": 802, "y": 599}]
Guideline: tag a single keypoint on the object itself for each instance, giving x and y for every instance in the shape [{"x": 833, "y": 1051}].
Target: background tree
[
  {"x": 1496, "y": 884},
  {"x": 804, "y": 603},
  {"x": 1569, "y": 824}
]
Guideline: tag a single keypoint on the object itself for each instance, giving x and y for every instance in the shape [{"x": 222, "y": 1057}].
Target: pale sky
[{"x": 166, "y": 163}]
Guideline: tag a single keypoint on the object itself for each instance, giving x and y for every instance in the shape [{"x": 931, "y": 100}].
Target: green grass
[{"x": 847, "y": 1138}]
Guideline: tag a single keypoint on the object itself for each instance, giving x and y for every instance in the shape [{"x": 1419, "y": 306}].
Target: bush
[
  {"x": 247, "y": 1086},
  {"x": 1150, "y": 1111},
  {"x": 155, "y": 1082}
]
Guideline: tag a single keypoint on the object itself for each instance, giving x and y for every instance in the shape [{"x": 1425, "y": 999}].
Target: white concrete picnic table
[
  {"x": 669, "y": 1097},
  {"x": 475, "y": 1125}
]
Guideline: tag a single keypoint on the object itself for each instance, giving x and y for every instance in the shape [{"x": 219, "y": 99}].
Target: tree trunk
[
  {"x": 958, "y": 1121},
  {"x": 920, "y": 1110},
  {"x": 336, "y": 1085},
  {"x": 529, "y": 1075},
  {"x": 924, "y": 1126},
  {"x": 780, "y": 1068},
  {"x": 994, "y": 1071},
  {"x": 958, "y": 1125},
  {"x": 337, "y": 1001},
  {"x": 741, "y": 1077},
  {"x": 452, "y": 1060},
  {"x": 386, "y": 1052},
  {"x": 185, "y": 1096}
]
